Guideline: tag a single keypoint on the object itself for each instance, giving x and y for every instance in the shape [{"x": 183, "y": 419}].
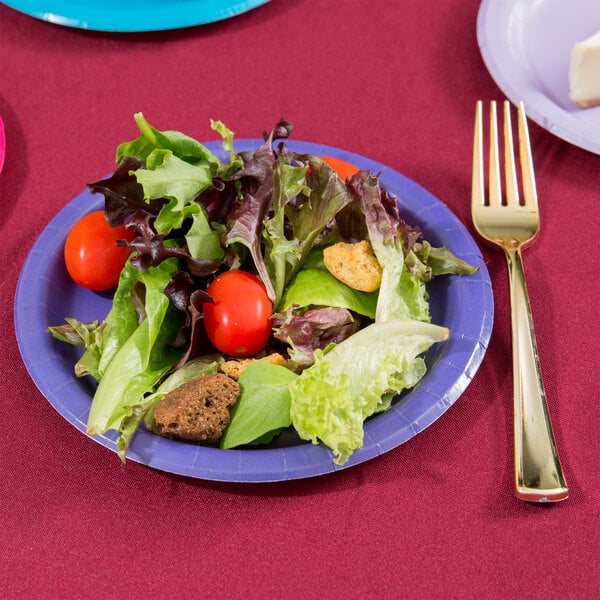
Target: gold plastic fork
[{"x": 513, "y": 225}]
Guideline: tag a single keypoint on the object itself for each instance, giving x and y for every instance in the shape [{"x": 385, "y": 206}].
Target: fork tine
[
  {"x": 495, "y": 191},
  {"x": 529, "y": 187},
  {"x": 510, "y": 172},
  {"x": 477, "y": 185}
]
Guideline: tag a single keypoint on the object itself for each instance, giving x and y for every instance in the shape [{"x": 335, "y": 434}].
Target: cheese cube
[{"x": 584, "y": 72}]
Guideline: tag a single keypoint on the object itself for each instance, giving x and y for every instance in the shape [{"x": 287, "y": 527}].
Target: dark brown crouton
[{"x": 197, "y": 411}]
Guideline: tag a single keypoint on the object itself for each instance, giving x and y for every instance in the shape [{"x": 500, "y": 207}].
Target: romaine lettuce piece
[
  {"x": 142, "y": 359},
  {"x": 331, "y": 399},
  {"x": 121, "y": 321}
]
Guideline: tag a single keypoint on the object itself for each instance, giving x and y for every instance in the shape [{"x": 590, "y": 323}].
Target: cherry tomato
[
  {"x": 344, "y": 169},
  {"x": 239, "y": 321},
  {"x": 92, "y": 256}
]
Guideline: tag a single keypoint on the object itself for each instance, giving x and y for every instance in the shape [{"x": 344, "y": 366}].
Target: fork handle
[{"x": 538, "y": 473}]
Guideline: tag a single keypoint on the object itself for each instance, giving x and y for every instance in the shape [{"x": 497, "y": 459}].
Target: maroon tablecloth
[{"x": 393, "y": 80}]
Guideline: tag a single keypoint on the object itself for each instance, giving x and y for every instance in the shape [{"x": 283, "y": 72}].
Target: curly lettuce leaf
[
  {"x": 256, "y": 184},
  {"x": 310, "y": 219},
  {"x": 174, "y": 167},
  {"x": 167, "y": 176},
  {"x": 305, "y": 201},
  {"x": 123, "y": 195},
  {"x": 152, "y": 248},
  {"x": 178, "y": 143},
  {"x": 288, "y": 201},
  {"x": 414, "y": 297},
  {"x": 354, "y": 380}
]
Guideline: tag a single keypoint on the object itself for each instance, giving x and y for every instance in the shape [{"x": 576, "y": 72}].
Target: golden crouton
[
  {"x": 234, "y": 368},
  {"x": 354, "y": 264}
]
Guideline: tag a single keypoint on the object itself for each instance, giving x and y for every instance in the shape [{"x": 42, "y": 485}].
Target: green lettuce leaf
[
  {"x": 168, "y": 176},
  {"x": 88, "y": 336},
  {"x": 439, "y": 261},
  {"x": 178, "y": 143},
  {"x": 203, "y": 241},
  {"x": 177, "y": 167},
  {"x": 121, "y": 321},
  {"x": 263, "y": 407},
  {"x": 331, "y": 399},
  {"x": 142, "y": 360},
  {"x": 102, "y": 341},
  {"x": 411, "y": 300},
  {"x": 318, "y": 287},
  {"x": 235, "y": 162}
]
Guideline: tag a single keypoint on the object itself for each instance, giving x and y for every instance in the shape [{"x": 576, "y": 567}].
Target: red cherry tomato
[
  {"x": 239, "y": 321},
  {"x": 344, "y": 169},
  {"x": 92, "y": 256}
]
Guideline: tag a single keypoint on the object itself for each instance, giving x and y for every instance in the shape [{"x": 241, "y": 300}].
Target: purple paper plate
[
  {"x": 526, "y": 47},
  {"x": 46, "y": 295}
]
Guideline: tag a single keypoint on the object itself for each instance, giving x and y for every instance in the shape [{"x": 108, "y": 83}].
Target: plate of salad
[{"x": 282, "y": 309}]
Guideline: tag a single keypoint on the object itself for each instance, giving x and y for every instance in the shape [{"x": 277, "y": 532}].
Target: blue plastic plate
[
  {"x": 46, "y": 295},
  {"x": 133, "y": 15}
]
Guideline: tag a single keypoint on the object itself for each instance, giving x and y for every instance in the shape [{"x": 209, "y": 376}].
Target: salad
[{"x": 234, "y": 262}]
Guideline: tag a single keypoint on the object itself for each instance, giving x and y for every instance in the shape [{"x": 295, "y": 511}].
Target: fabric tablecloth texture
[{"x": 393, "y": 80}]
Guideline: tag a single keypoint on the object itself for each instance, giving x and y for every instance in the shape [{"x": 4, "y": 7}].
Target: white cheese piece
[{"x": 584, "y": 72}]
